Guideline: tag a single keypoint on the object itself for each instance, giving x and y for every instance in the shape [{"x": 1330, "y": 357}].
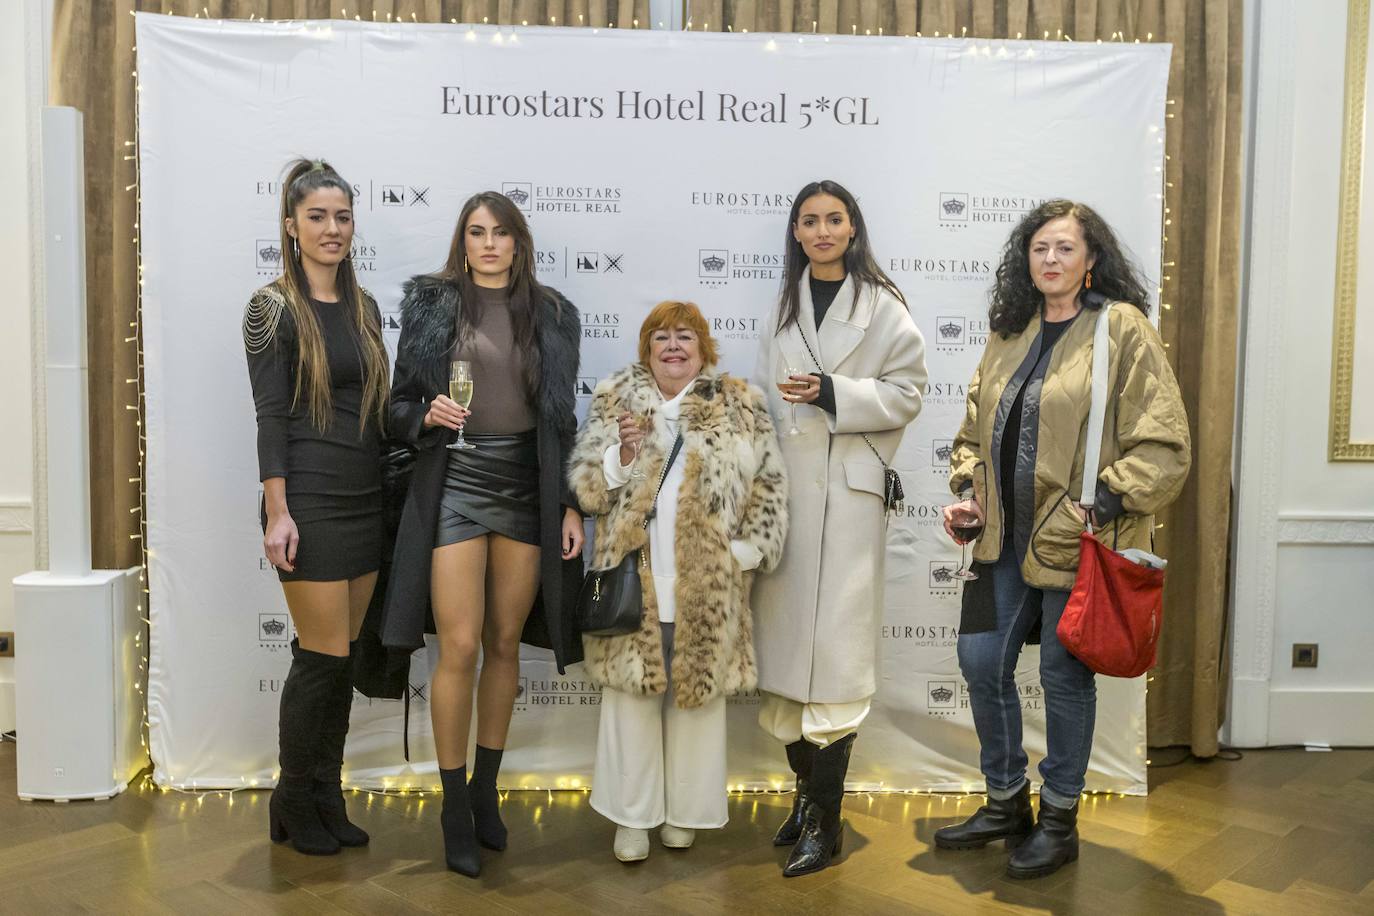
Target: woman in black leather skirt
[
  {"x": 318, "y": 368},
  {"x": 490, "y": 532}
]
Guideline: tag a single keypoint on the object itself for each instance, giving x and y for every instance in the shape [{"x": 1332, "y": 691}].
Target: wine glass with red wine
[{"x": 967, "y": 526}]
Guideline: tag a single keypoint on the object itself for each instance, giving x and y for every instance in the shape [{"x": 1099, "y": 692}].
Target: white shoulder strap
[{"x": 1092, "y": 450}]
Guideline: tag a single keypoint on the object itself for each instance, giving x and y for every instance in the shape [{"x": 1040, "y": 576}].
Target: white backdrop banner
[{"x": 652, "y": 166}]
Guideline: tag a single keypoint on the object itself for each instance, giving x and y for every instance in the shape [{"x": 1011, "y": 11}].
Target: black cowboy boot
[
  {"x": 822, "y": 830},
  {"x": 1009, "y": 819},
  {"x": 328, "y": 787},
  {"x": 1052, "y": 844},
  {"x": 800, "y": 755},
  {"x": 460, "y": 842},
  {"x": 304, "y": 699},
  {"x": 486, "y": 803}
]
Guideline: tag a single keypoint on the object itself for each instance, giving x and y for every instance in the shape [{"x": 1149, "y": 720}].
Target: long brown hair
[
  {"x": 304, "y": 176},
  {"x": 524, "y": 287},
  {"x": 858, "y": 257}
]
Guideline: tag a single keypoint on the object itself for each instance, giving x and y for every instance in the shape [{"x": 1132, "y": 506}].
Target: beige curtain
[{"x": 93, "y": 60}]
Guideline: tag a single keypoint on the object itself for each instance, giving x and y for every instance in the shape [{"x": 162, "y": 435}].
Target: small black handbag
[{"x": 611, "y": 602}]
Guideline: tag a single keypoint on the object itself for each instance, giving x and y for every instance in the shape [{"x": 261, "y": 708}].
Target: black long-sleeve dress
[{"x": 333, "y": 480}]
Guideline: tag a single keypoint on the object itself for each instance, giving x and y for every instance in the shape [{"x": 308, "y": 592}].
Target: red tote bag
[{"x": 1111, "y": 623}]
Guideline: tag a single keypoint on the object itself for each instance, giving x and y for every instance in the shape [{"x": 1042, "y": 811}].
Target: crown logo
[
  {"x": 270, "y": 254},
  {"x": 954, "y": 206},
  {"x": 950, "y": 330},
  {"x": 713, "y": 263},
  {"x": 273, "y": 627},
  {"x": 942, "y": 694},
  {"x": 942, "y": 574},
  {"x": 519, "y": 195},
  {"x": 943, "y": 452}
]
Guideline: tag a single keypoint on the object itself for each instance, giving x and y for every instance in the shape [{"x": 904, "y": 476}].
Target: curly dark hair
[{"x": 1014, "y": 297}]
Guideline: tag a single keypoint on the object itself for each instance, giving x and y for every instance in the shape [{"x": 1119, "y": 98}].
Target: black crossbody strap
[
  {"x": 819, "y": 368},
  {"x": 672, "y": 456}
]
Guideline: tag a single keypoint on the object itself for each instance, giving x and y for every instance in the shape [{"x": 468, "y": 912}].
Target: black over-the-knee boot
[
  {"x": 1009, "y": 819},
  {"x": 1052, "y": 844},
  {"x": 800, "y": 756},
  {"x": 822, "y": 828},
  {"x": 328, "y": 787},
  {"x": 305, "y": 697},
  {"x": 460, "y": 839}
]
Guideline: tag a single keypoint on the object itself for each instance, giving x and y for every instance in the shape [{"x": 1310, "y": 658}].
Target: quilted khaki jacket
[{"x": 1146, "y": 449}]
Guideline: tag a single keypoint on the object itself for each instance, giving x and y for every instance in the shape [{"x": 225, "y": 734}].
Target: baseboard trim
[{"x": 1340, "y": 718}]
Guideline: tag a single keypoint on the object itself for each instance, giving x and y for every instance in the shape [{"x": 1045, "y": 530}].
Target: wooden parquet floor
[{"x": 1282, "y": 832}]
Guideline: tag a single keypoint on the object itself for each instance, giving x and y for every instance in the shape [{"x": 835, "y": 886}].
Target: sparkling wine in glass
[
  {"x": 460, "y": 390},
  {"x": 645, "y": 421},
  {"x": 967, "y": 526},
  {"x": 788, "y": 385}
]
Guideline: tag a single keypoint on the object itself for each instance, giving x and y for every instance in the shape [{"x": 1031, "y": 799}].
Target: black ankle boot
[
  {"x": 460, "y": 842},
  {"x": 328, "y": 786},
  {"x": 800, "y": 755},
  {"x": 1009, "y": 819},
  {"x": 486, "y": 803},
  {"x": 1051, "y": 845},
  {"x": 822, "y": 830},
  {"x": 305, "y": 698}
]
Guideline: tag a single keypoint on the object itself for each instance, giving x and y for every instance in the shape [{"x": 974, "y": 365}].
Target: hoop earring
[{"x": 1088, "y": 281}]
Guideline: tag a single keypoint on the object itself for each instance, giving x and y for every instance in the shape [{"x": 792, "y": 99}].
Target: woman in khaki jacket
[{"x": 1017, "y": 464}]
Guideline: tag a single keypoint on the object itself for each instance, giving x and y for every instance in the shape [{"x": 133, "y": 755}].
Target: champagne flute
[
  {"x": 645, "y": 422},
  {"x": 460, "y": 390},
  {"x": 967, "y": 527},
  {"x": 788, "y": 385}
]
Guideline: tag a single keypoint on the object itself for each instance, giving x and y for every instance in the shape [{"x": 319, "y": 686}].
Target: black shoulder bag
[
  {"x": 611, "y": 602},
  {"x": 893, "y": 495}
]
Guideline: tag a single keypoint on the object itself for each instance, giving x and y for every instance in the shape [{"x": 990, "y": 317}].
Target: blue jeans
[{"x": 988, "y": 662}]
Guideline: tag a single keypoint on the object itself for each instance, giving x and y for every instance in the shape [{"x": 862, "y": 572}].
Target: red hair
[{"x": 671, "y": 315}]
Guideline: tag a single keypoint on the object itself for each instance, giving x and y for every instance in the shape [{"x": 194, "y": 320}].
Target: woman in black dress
[
  {"x": 319, "y": 374},
  {"x": 491, "y": 532}
]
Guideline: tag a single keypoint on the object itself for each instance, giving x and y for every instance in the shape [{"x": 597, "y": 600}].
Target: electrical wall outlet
[
  {"x": 1304, "y": 655},
  {"x": 6, "y": 645}
]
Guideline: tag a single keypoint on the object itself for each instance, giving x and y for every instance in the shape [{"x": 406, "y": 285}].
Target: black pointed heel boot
[
  {"x": 328, "y": 786},
  {"x": 822, "y": 833},
  {"x": 304, "y": 699},
  {"x": 460, "y": 841},
  {"x": 1051, "y": 845},
  {"x": 1009, "y": 819},
  {"x": 800, "y": 755},
  {"x": 486, "y": 803}
]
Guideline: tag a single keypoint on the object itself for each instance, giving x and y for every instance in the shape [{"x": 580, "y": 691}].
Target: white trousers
[
  {"x": 657, "y": 764},
  {"x": 819, "y": 723}
]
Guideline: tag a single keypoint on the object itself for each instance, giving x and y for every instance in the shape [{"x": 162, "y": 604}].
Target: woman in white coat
[{"x": 846, "y": 362}]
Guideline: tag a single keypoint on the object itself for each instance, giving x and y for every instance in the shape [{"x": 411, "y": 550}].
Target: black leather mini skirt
[{"x": 493, "y": 488}]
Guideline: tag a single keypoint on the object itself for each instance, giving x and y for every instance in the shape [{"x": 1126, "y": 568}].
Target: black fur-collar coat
[{"x": 428, "y": 322}]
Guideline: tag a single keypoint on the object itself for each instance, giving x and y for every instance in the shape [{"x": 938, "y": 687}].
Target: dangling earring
[
  {"x": 1088, "y": 281},
  {"x": 296, "y": 247},
  {"x": 466, "y": 269}
]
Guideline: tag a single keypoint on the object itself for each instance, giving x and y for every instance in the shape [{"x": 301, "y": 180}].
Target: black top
[
  {"x": 823, "y": 293},
  {"x": 1050, "y": 333},
  {"x": 342, "y": 459}
]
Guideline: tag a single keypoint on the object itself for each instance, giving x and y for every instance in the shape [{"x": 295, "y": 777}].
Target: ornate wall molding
[
  {"x": 1326, "y": 529},
  {"x": 16, "y": 517}
]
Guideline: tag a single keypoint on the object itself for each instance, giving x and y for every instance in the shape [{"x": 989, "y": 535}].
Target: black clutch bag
[{"x": 611, "y": 602}]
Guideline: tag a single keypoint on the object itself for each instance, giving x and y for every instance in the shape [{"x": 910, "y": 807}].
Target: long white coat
[{"x": 818, "y": 615}]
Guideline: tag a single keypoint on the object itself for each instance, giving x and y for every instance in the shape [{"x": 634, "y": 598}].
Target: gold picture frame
[{"x": 1342, "y": 447}]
